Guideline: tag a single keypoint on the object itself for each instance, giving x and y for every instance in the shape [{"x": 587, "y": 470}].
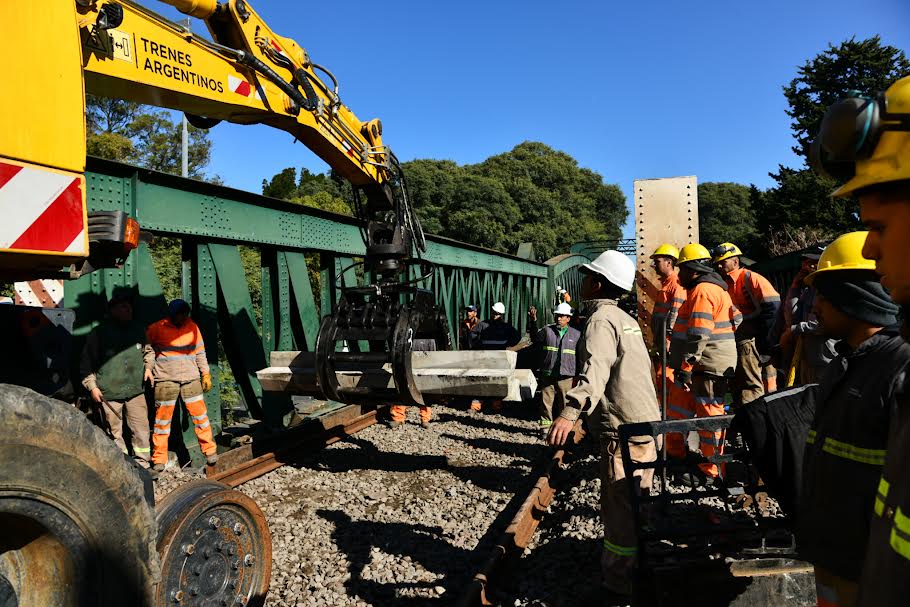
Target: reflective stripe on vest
[
  {"x": 862, "y": 455},
  {"x": 900, "y": 534},
  {"x": 881, "y": 496},
  {"x": 620, "y": 550}
]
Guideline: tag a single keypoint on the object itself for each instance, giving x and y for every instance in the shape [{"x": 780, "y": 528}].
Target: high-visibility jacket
[
  {"x": 757, "y": 300},
  {"x": 559, "y": 350},
  {"x": 703, "y": 336},
  {"x": 175, "y": 353},
  {"x": 886, "y": 571},
  {"x": 671, "y": 296},
  {"x": 845, "y": 448}
]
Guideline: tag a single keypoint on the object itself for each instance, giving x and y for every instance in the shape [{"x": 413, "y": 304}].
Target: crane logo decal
[{"x": 42, "y": 210}]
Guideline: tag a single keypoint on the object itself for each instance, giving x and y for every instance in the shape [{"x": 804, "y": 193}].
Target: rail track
[{"x": 404, "y": 517}]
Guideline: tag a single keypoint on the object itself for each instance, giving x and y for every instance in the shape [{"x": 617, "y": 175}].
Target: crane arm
[{"x": 247, "y": 74}]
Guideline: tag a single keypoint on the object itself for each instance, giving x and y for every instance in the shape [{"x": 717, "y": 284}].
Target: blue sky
[{"x": 631, "y": 89}]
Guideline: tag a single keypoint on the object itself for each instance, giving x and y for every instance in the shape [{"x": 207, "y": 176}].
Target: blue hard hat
[{"x": 177, "y": 306}]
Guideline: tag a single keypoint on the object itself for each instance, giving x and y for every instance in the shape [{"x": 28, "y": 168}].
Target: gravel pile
[{"x": 393, "y": 517}]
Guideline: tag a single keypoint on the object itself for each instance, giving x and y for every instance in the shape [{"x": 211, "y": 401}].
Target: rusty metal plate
[{"x": 666, "y": 211}]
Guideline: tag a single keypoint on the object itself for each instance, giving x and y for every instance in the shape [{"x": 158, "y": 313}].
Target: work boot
[
  {"x": 212, "y": 459},
  {"x": 156, "y": 470},
  {"x": 392, "y": 424},
  {"x": 424, "y": 423}
]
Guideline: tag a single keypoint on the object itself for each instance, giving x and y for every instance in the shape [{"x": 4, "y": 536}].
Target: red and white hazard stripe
[
  {"x": 242, "y": 87},
  {"x": 44, "y": 293},
  {"x": 41, "y": 210}
]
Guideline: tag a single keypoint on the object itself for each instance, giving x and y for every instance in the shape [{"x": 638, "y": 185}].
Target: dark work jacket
[
  {"x": 468, "y": 336},
  {"x": 885, "y": 580},
  {"x": 497, "y": 335},
  {"x": 775, "y": 427},
  {"x": 845, "y": 452},
  {"x": 558, "y": 350}
]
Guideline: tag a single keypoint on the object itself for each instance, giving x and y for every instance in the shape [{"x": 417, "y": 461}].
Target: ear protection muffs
[{"x": 849, "y": 131}]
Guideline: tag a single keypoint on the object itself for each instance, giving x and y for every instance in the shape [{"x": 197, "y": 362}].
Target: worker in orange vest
[
  {"x": 176, "y": 364},
  {"x": 702, "y": 355},
  {"x": 758, "y": 303},
  {"x": 399, "y": 414}
]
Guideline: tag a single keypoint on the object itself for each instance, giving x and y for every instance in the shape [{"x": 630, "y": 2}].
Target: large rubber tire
[{"x": 77, "y": 528}]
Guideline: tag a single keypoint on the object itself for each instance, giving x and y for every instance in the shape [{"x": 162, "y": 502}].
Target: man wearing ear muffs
[{"x": 866, "y": 143}]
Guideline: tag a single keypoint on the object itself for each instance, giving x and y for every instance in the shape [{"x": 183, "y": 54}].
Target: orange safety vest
[
  {"x": 749, "y": 290},
  {"x": 666, "y": 307},
  {"x": 707, "y": 316},
  {"x": 170, "y": 341}
]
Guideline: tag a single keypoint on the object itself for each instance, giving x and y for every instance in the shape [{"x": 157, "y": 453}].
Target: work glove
[
  {"x": 682, "y": 378},
  {"x": 206, "y": 382}
]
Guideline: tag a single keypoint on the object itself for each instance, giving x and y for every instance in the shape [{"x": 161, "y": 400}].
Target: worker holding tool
[
  {"x": 865, "y": 141},
  {"x": 559, "y": 367},
  {"x": 702, "y": 356},
  {"x": 175, "y": 362},
  {"x": 495, "y": 334},
  {"x": 797, "y": 340},
  {"x": 757, "y": 301},
  {"x": 614, "y": 387},
  {"x": 111, "y": 367},
  {"x": 849, "y": 431}
]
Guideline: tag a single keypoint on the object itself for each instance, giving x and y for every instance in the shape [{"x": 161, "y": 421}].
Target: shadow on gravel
[
  {"x": 483, "y": 422},
  {"x": 368, "y": 457},
  {"x": 423, "y": 544},
  {"x": 530, "y": 452}
]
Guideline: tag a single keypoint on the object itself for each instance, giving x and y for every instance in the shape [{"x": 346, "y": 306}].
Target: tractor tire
[{"x": 78, "y": 526}]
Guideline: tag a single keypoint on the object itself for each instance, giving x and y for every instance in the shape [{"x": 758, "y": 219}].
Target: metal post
[
  {"x": 184, "y": 139},
  {"x": 663, "y": 398}
]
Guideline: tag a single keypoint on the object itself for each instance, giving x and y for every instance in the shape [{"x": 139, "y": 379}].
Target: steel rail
[
  {"x": 518, "y": 534},
  {"x": 249, "y": 465}
]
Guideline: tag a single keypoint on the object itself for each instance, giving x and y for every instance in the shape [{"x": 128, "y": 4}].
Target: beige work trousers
[
  {"x": 747, "y": 383},
  {"x": 553, "y": 398},
  {"x": 136, "y": 411},
  {"x": 620, "y": 547}
]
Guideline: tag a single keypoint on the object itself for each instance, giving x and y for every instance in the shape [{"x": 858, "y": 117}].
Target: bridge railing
[{"x": 301, "y": 252}]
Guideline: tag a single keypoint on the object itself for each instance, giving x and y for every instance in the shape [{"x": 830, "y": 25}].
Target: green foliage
[
  {"x": 144, "y": 136},
  {"x": 532, "y": 193},
  {"x": 315, "y": 190},
  {"x": 866, "y": 66},
  {"x": 167, "y": 258},
  {"x": 725, "y": 214},
  {"x": 800, "y": 202}
]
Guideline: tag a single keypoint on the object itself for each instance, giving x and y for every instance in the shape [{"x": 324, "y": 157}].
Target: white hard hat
[
  {"x": 499, "y": 308},
  {"x": 615, "y": 267},
  {"x": 563, "y": 309}
]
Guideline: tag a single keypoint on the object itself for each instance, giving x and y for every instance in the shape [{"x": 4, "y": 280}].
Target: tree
[
  {"x": 144, "y": 136},
  {"x": 725, "y": 214},
  {"x": 866, "y": 66},
  {"x": 532, "y": 193},
  {"x": 800, "y": 201}
]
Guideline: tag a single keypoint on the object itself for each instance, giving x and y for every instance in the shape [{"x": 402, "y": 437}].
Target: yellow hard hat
[
  {"x": 725, "y": 250},
  {"x": 845, "y": 253},
  {"x": 666, "y": 250},
  {"x": 865, "y": 140},
  {"x": 693, "y": 252}
]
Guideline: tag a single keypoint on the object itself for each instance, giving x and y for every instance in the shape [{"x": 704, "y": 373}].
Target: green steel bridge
[{"x": 296, "y": 244}]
